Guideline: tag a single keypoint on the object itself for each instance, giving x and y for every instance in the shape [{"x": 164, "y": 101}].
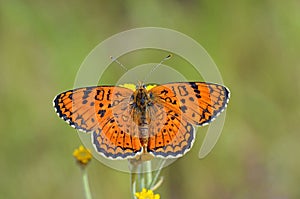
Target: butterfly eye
[{"x": 144, "y": 86}]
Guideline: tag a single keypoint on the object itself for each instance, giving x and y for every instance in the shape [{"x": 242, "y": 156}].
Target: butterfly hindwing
[{"x": 170, "y": 136}]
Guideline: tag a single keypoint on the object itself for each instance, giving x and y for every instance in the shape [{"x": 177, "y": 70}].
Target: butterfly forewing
[{"x": 199, "y": 102}]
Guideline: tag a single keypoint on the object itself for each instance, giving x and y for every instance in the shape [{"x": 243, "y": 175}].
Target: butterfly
[{"x": 129, "y": 121}]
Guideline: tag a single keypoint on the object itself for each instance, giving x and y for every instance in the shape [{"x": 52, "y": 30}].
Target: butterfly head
[{"x": 140, "y": 86}]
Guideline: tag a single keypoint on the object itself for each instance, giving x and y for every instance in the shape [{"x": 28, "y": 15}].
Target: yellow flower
[
  {"x": 82, "y": 155},
  {"x": 144, "y": 194}
]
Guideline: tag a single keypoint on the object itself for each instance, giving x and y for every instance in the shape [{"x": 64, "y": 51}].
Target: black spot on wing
[
  {"x": 101, "y": 112},
  {"x": 193, "y": 85},
  {"x": 86, "y": 93},
  {"x": 183, "y": 108}
]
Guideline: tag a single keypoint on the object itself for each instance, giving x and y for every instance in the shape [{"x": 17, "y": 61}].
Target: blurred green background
[{"x": 255, "y": 44}]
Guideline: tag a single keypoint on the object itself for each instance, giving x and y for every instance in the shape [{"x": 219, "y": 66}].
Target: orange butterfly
[{"x": 157, "y": 120}]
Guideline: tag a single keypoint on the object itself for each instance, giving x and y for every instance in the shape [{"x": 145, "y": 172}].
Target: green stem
[
  {"x": 141, "y": 176},
  {"x": 133, "y": 184},
  {"x": 163, "y": 161},
  {"x": 86, "y": 184},
  {"x": 148, "y": 174},
  {"x": 133, "y": 170}
]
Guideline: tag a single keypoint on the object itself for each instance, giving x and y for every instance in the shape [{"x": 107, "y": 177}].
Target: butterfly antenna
[
  {"x": 155, "y": 67},
  {"x": 117, "y": 61}
]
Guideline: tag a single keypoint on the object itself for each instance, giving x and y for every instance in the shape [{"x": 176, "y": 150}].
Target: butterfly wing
[
  {"x": 101, "y": 110},
  {"x": 170, "y": 135},
  {"x": 199, "y": 102},
  {"x": 185, "y": 104}
]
